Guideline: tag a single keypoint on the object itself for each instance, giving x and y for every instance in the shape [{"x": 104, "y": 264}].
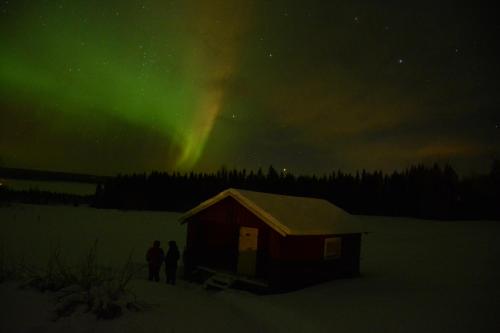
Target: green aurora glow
[
  {"x": 99, "y": 65},
  {"x": 110, "y": 87}
]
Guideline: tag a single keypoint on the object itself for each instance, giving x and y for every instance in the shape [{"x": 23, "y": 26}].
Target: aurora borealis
[{"x": 132, "y": 86}]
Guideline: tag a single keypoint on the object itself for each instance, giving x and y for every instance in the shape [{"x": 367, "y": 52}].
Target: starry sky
[{"x": 104, "y": 87}]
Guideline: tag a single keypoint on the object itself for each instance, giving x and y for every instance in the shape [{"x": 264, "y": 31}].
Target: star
[{"x": 400, "y": 61}]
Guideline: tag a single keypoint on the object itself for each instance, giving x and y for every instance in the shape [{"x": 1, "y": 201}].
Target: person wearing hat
[{"x": 171, "y": 262}]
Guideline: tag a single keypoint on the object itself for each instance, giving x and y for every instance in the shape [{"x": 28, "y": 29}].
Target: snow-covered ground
[{"x": 418, "y": 276}]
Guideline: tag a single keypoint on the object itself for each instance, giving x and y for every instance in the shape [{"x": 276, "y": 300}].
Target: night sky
[{"x": 129, "y": 86}]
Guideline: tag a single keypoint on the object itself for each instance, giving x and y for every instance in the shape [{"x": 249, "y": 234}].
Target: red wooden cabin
[{"x": 286, "y": 241}]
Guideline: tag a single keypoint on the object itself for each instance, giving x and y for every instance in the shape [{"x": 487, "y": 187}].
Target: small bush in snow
[
  {"x": 99, "y": 290},
  {"x": 6, "y": 269}
]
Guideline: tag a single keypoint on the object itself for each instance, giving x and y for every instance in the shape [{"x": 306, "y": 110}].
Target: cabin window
[{"x": 332, "y": 248}]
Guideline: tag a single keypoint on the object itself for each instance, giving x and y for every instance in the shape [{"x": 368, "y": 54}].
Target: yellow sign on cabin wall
[{"x": 333, "y": 248}]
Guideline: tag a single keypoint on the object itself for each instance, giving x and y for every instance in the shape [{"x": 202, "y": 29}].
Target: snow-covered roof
[{"x": 288, "y": 215}]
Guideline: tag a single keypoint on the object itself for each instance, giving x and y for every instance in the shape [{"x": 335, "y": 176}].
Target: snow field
[{"x": 418, "y": 276}]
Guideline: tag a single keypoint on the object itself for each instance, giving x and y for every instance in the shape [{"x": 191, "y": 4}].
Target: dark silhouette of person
[
  {"x": 171, "y": 262},
  {"x": 154, "y": 257}
]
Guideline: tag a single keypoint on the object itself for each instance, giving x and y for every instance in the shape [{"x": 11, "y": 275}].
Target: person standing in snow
[
  {"x": 154, "y": 257},
  {"x": 171, "y": 262}
]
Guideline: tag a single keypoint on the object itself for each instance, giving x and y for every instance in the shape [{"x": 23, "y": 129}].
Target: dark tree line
[
  {"x": 39, "y": 197},
  {"x": 420, "y": 191}
]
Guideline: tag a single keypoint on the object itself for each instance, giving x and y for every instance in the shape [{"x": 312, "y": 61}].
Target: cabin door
[{"x": 247, "y": 248}]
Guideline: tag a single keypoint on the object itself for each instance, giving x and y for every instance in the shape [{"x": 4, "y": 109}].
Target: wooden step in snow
[{"x": 219, "y": 282}]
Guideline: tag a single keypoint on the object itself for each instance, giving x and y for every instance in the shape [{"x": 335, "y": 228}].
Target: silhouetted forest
[
  {"x": 39, "y": 197},
  {"x": 433, "y": 192}
]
